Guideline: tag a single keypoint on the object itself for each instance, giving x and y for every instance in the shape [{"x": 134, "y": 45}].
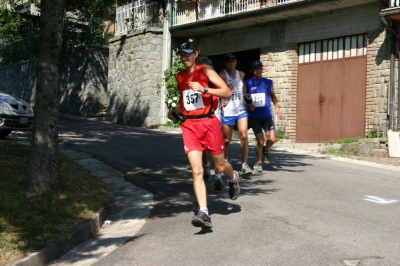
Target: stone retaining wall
[
  {"x": 365, "y": 146},
  {"x": 83, "y": 81},
  {"x": 134, "y": 77}
]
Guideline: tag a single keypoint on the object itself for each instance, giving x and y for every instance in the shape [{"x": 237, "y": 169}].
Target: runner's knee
[
  {"x": 243, "y": 137},
  {"x": 220, "y": 168},
  {"x": 197, "y": 172}
]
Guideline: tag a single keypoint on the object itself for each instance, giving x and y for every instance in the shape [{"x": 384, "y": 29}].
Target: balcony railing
[
  {"x": 192, "y": 11},
  {"x": 137, "y": 16},
  {"x": 394, "y": 3}
]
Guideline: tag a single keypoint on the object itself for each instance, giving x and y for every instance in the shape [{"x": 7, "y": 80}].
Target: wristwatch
[{"x": 205, "y": 90}]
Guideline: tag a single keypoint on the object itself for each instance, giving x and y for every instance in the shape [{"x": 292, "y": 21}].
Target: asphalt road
[{"x": 302, "y": 210}]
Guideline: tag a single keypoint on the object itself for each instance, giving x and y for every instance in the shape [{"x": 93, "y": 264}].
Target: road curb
[
  {"x": 71, "y": 239},
  {"x": 67, "y": 242},
  {"x": 128, "y": 210}
]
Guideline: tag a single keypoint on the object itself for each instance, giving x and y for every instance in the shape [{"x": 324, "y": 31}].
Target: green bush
[
  {"x": 335, "y": 152},
  {"x": 27, "y": 48},
  {"x": 171, "y": 87},
  {"x": 19, "y": 50},
  {"x": 280, "y": 135},
  {"x": 92, "y": 34},
  {"x": 348, "y": 140},
  {"x": 342, "y": 141},
  {"x": 375, "y": 133}
]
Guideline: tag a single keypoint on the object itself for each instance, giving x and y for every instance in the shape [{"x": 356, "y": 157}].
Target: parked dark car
[{"x": 15, "y": 115}]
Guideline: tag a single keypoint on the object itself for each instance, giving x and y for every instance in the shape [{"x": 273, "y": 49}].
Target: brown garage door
[{"x": 331, "y": 89}]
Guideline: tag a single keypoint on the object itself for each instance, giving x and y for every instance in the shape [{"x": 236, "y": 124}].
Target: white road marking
[{"x": 379, "y": 200}]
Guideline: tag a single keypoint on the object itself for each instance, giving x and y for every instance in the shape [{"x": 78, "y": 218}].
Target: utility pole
[{"x": 166, "y": 58}]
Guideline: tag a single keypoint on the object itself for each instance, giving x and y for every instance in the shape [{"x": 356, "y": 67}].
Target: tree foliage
[
  {"x": 9, "y": 24},
  {"x": 12, "y": 23},
  {"x": 87, "y": 9},
  {"x": 18, "y": 32},
  {"x": 83, "y": 23}
]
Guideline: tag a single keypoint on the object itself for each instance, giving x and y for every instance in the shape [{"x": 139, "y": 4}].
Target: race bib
[
  {"x": 237, "y": 96},
  {"x": 235, "y": 105},
  {"x": 258, "y": 99},
  {"x": 192, "y": 100}
]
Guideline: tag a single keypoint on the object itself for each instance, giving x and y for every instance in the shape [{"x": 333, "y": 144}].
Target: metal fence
[
  {"x": 394, "y": 3},
  {"x": 192, "y": 11},
  {"x": 137, "y": 16}
]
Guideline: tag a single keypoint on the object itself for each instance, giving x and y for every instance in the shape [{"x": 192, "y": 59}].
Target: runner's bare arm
[
  {"x": 242, "y": 76},
  {"x": 246, "y": 95},
  {"x": 275, "y": 101},
  {"x": 273, "y": 96},
  {"x": 222, "y": 89},
  {"x": 222, "y": 75}
]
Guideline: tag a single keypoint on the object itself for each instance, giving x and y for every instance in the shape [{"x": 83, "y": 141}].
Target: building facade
[
  {"x": 334, "y": 63},
  {"x": 329, "y": 60}
]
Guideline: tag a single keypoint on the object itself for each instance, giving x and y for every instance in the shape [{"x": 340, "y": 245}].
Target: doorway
[{"x": 244, "y": 59}]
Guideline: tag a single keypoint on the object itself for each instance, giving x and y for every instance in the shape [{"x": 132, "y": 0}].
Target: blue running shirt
[{"x": 260, "y": 91}]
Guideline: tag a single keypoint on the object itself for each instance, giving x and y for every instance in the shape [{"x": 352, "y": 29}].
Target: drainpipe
[
  {"x": 166, "y": 58},
  {"x": 392, "y": 81},
  {"x": 398, "y": 97},
  {"x": 391, "y": 92}
]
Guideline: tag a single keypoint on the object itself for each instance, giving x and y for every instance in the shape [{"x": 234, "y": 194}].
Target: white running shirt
[{"x": 236, "y": 105}]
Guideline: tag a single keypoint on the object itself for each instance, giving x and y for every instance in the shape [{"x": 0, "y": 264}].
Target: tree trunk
[{"x": 44, "y": 170}]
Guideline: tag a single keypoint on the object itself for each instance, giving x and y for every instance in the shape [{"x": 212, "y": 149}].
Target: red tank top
[{"x": 190, "y": 100}]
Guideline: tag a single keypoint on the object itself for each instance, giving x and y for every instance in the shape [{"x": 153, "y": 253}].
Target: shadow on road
[{"x": 155, "y": 160}]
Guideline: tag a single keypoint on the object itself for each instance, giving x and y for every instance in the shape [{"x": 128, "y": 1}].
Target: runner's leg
[
  {"x": 195, "y": 160},
  {"x": 259, "y": 146},
  {"x": 227, "y": 130},
  {"x": 244, "y": 143},
  {"x": 271, "y": 138},
  {"x": 206, "y": 166},
  {"x": 233, "y": 177}
]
